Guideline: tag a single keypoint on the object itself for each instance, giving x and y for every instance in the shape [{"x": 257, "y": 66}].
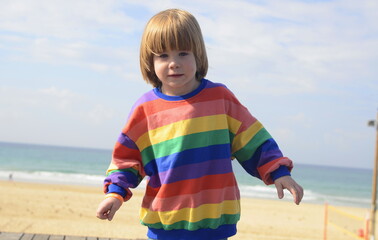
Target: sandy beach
[{"x": 71, "y": 210}]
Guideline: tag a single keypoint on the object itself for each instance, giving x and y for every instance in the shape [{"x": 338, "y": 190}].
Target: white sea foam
[
  {"x": 257, "y": 191},
  {"x": 52, "y": 177},
  {"x": 57, "y": 177},
  {"x": 270, "y": 192}
]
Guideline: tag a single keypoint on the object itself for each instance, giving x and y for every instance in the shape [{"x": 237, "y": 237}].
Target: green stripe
[
  {"x": 212, "y": 223},
  {"x": 183, "y": 143},
  {"x": 231, "y": 136},
  {"x": 132, "y": 170},
  {"x": 250, "y": 148}
]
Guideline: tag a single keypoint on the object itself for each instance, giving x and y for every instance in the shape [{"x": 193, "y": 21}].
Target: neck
[{"x": 169, "y": 91}]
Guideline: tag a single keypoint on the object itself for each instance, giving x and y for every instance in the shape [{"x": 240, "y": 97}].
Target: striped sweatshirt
[{"x": 184, "y": 145}]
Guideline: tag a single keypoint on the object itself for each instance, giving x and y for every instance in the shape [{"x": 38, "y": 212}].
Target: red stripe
[
  {"x": 192, "y": 186},
  {"x": 124, "y": 157},
  {"x": 241, "y": 113},
  {"x": 271, "y": 166},
  {"x": 210, "y": 196},
  {"x": 149, "y": 119},
  {"x": 140, "y": 113},
  {"x": 171, "y": 115}
]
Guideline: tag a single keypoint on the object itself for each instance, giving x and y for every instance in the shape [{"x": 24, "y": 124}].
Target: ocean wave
[
  {"x": 247, "y": 191},
  {"x": 257, "y": 191},
  {"x": 310, "y": 196},
  {"x": 52, "y": 177},
  {"x": 57, "y": 177}
]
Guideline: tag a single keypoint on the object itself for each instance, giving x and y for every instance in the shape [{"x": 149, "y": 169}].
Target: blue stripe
[
  {"x": 191, "y": 171},
  {"x": 190, "y": 156},
  {"x": 112, "y": 188},
  {"x": 280, "y": 172},
  {"x": 268, "y": 151},
  {"x": 224, "y": 231}
]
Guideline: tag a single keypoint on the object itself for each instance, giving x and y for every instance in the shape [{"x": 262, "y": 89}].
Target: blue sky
[{"x": 69, "y": 70}]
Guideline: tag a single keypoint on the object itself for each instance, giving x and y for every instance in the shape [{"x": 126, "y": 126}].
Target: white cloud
[
  {"x": 283, "y": 46},
  {"x": 28, "y": 103},
  {"x": 99, "y": 114},
  {"x": 61, "y": 99},
  {"x": 76, "y": 33},
  {"x": 288, "y": 47},
  {"x": 56, "y": 116},
  {"x": 64, "y": 19}
]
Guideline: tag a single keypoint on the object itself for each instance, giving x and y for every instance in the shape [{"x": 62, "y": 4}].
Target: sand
[{"x": 71, "y": 210}]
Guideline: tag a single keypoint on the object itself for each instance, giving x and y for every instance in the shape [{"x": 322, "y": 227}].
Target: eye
[
  {"x": 162, "y": 55},
  {"x": 182, "y": 54}
]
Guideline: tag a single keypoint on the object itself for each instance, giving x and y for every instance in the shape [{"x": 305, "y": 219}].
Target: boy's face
[{"x": 176, "y": 70}]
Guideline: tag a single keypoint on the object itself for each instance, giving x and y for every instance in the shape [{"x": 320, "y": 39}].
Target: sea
[{"x": 84, "y": 166}]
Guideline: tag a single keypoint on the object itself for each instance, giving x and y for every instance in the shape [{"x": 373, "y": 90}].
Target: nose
[{"x": 174, "y": 63}]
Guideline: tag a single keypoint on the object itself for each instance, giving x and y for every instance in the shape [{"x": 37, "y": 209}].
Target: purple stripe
[
  {"x": 269, "y": 156},
  {"x": 191, "y": 171},
  {"x": 211, "y": 84},
  {"x": 126, "y": 141},
  {"x": 148, "y": 96},
  {"x": 122, "y": 179}
]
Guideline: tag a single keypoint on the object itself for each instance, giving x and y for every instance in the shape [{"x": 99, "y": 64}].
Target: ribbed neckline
[{"x": 158, "y": 92}]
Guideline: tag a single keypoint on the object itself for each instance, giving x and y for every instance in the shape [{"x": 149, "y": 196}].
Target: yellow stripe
[
  {"x": 111, "y": 167},
  {"x": 182, "y": 128},
  {"x": 243, "y": 138},
  {"x": 233, "y": 124},
  {"x": 191, "y": 214}
]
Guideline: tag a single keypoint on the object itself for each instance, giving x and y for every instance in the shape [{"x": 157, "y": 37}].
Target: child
[{"x": 183, "y": 135}]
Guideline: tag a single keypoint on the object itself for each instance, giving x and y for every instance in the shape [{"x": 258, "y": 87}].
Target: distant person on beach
[{"x": 183, "y": 135}]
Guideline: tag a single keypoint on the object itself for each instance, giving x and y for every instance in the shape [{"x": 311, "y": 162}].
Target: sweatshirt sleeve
[
  {"x": 126, "y": 168},
  {"x": 254, "y": 147}
]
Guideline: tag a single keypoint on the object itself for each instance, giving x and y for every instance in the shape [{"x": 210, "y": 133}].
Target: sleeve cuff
[
  {"x": 112, "y": 188},
  {"x": 280, "y": 172}
]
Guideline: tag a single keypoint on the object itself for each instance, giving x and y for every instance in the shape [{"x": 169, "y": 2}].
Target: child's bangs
[{"x": 170, "y": 37}]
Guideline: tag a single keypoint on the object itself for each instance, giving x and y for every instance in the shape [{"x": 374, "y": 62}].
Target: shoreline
[
  {"x": 256, "y": 191},
  {"x": 62, "y": 209}
]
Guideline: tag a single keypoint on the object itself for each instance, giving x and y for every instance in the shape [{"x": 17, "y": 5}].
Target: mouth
[{"x": 175, "y": 75}]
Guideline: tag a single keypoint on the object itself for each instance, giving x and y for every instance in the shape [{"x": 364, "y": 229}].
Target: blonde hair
[{"x": 172, "y": 29}]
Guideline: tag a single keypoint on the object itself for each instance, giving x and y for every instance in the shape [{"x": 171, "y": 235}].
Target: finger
[
  {"x": 280, "y": 192},
  {"x": 102, "y": 214},
  {"x": 294, "y": 192},
  {"x": 300, "y": 194},
  {"x": 111, "y": 213}
]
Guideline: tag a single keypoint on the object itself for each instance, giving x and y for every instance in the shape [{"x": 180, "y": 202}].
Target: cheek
[
  {"x": 192, "y": 65},
  {"x": 195, "y": 64},
  {"x": 158, "y": 68}
]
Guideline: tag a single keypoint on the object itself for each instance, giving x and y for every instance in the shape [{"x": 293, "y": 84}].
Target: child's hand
[
  {"x": 108, "y": 208},
  {"x": 286, "y": 182}
]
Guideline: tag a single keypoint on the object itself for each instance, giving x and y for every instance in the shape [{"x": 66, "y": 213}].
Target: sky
[{"x": 307, "y": 69}]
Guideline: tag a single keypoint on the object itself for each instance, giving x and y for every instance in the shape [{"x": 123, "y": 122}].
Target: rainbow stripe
[{"x": 185, "y": 145}]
